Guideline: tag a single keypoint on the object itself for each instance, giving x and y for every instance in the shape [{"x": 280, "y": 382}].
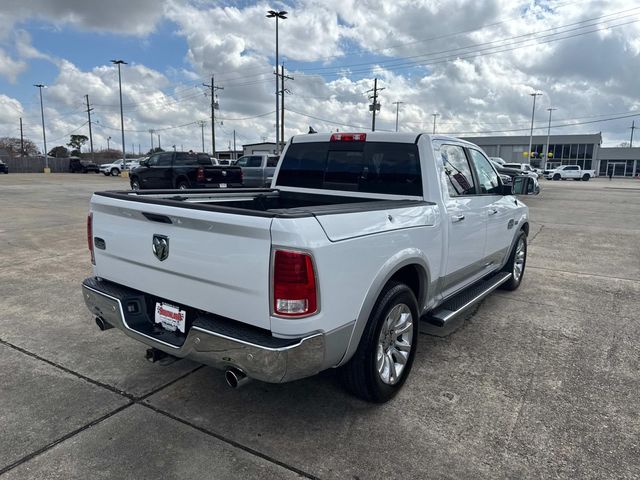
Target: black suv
[
  {"x": 84, "y": 166},
  {"x": 4, "y": 167},
  {"x": 183, "y": 170}
]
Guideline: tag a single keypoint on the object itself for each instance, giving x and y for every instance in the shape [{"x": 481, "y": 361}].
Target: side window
[
  {"x": 254, "y": 161},
  {"x": 487, "y": 176},
  {"x": 242, "y": 161},
  {"x": 573, "y": 168},
  {"x": 153, "y": 161},
  {"x": 458, "y": 171},
  {"x": 272, "y": 161},
  {"x": 184, "y": 158},
  {"x": 164, "y": 160}
]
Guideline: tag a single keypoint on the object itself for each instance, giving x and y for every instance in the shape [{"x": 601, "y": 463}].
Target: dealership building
[{"x": 583, "y": 150}]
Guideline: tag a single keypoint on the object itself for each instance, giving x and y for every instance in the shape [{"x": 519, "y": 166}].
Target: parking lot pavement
[{"x": 541, "y": 382}]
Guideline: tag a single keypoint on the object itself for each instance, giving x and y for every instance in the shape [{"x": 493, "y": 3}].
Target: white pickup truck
[
  {"x": 570, "y": 171},
  {"x": 361, "y": 240}
]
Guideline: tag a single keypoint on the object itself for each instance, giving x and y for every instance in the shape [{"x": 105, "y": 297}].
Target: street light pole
[
  {"x": 546, "y": 152},
  {"x": 277, "y": 15},
  {"x": 202, "y": 123},
  {"x": 108, "y": 140},
  {"x": 44, "y": 135},
  {"x": 151, "y": 132},
  {"x": 533, "y": 113},
  {"x": 435, "y": 116},
  {"x": 121, "y": 62},
  {"x": 397, "y": 104}
]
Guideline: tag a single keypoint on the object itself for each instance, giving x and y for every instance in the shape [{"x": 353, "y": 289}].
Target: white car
[
  {"x": 117, "y": 167},
  {"x": 574, "y": 172},
  {"x": 361, "y": 241},
  {"x": 524, "y": 168}
]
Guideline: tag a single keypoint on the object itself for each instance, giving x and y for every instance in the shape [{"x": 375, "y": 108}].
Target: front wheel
[
  {"x": 135, "y": 184},
  {"x": 556, "y": 176},
  {"x": 106, "y": 174},
  {"x": 383, "y": 360},
  {"x": 516, "y": 263}
]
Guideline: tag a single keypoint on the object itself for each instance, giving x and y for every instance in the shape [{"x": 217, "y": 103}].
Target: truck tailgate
[
  {"x": 223, "y": 174},
  {"x": 217, "y": 262}
]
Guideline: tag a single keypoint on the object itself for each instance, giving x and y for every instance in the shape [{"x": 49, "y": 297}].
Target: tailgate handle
[{"x": 154, "y": 217}]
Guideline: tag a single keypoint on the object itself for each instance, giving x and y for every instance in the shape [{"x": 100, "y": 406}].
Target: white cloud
[{"x": 11, "y": 68}]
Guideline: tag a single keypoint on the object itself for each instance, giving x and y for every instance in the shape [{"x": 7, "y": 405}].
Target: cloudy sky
[{"x": 474, "y": 63}]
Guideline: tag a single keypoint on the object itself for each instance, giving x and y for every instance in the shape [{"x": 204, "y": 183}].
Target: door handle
[
  {"x": 457, "y": 218},
  {"x": 493, "y": 211}
]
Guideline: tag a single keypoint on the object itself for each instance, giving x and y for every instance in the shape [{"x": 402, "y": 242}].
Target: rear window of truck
[{"x": 371, "y": 167}]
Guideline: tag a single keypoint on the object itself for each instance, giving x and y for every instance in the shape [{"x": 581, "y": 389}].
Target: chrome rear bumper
[{"x": 213, "y": 341}]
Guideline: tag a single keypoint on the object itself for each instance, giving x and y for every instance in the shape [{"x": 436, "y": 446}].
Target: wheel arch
[{"x": 411, "y": 268}]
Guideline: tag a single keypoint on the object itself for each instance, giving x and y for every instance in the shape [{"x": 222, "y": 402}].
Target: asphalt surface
[{"x": 541, "y": 383}]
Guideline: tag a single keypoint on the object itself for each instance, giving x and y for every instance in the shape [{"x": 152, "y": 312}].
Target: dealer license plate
[
  {"x": 223, "y": 185},
  {"x": 170, "y": 318}
]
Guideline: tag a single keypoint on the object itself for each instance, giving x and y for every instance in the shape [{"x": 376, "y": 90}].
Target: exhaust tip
[
  {"x": 102, "y": 325},
  {"x": 235, "y": 378}
]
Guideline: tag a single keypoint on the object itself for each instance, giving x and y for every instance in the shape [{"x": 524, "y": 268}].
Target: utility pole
[
  {"x": 397, "y": 104},
  {"x": 235, "y": 156},
  {"x": 159, "y": 144},
  {"x": 282, "y": 92},
  {"x": 121, "y": 62},
  {"x": 533, "y": 113},
  {"x": 21, "y": 140},
  {"x": 435, "y": 116},
  {"x": 375, "y": 106},
  {"x": 151, "y": 132},
  {"x": 214, "y": 106},
  {"x": 202, "y": 123},
  {"x": 633, "y": 127},
  {"x": 546, "y": 150},
  {"x": 278, "y": 15},
  {"x": 44, "y": 135},
  {"x": 90, "y": 134}
]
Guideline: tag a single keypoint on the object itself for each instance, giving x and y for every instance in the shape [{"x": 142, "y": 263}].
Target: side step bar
[{"x": 442, "y": 321}]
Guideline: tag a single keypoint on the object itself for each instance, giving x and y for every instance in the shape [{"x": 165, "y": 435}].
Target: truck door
[
  {"x": 498, "y": 210},
  {"x": 159, "y": 173},
  {"x": 465, "y": 220}
]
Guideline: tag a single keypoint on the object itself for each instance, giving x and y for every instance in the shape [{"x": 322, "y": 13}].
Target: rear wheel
[
  {"x": 383, "y": 360},
  {"x": 516, "y": 264},
  {"x": 183, "y": 185},
  {"x": 115, "y": 172},
  {"x": 586, "y": 177}
]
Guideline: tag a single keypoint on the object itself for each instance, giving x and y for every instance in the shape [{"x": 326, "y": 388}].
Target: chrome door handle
[
  {"x": 457, "y": 218},
  {"x": 493, "y": 211}
]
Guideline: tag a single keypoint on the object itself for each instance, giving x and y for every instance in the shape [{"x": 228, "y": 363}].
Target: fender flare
[{"x": 410, "y": 256}]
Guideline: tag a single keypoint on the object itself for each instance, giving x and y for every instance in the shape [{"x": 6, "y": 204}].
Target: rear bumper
[{"x": 212, "y": 340}]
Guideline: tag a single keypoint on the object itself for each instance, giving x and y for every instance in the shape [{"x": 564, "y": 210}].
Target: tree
[
  {"x": 624, "y": 144},
  {"x": 59, "y": 152},
  {"x": 12, "y": 146},
  {"x": 155, "y": 150},
  {"x": 76, "y": 143}
]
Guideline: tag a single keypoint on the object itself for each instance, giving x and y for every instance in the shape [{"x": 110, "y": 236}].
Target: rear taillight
[
  {"x": 200, "y": 174},
  {"x": 348, "y": 137},
  {"x": 294, "y": 284},
  {"x": 90, "y": 237}
]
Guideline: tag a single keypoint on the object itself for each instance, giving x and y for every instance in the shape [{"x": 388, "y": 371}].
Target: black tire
[
  {"x": 513, "y": 283},
  {"x": 106, "y": 174},
  {"x": 182, "y": 185},
  {"x": 586, "y": 178},
  {"x": 135, "y": 184},
  {"x": 115, "y": 172},
  {"x": 557, "y": 176},
  {"x": 360, "y": 375}
]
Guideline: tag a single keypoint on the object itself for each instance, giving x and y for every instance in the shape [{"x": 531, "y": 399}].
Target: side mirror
[{"x": 525, "y": 186}]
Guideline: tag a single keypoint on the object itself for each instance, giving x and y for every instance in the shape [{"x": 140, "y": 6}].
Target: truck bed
[{"x": 270, "y": 203}]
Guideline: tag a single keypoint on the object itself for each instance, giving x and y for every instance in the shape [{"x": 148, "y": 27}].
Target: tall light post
[
  {"x": 151, "y": 132},
  {"x": 546, "y": 150},
  {"x": 434, "y": 115},
  {"x": 108, "y": 140},
  {"x": 277, "y": 15},
  {"x": 121, "y": 62},
  {"x": 202, "y": 123},
  {"x": 533, "y": 113},
  {"x": 44, "y": 135},
  {"x": 397, "y": 104}
]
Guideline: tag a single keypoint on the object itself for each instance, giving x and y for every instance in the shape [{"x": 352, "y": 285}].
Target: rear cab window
[{"x": 370, "y": 167}]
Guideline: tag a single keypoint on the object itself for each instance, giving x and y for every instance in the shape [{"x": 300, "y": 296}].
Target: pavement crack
[
  {"x": 537, "y": 233},
  {"x": 233, "y": 443},
  {"x": 635, "y": 280}
]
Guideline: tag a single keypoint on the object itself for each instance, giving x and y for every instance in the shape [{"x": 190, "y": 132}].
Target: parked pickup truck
[
  {"x": 358, "y": 238},
  {"x": 183, "y": 170},
  {"x": 257, "y": 170},
  {"x": 524, "y": 168},
  {"x": 570, "y": 171}
]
